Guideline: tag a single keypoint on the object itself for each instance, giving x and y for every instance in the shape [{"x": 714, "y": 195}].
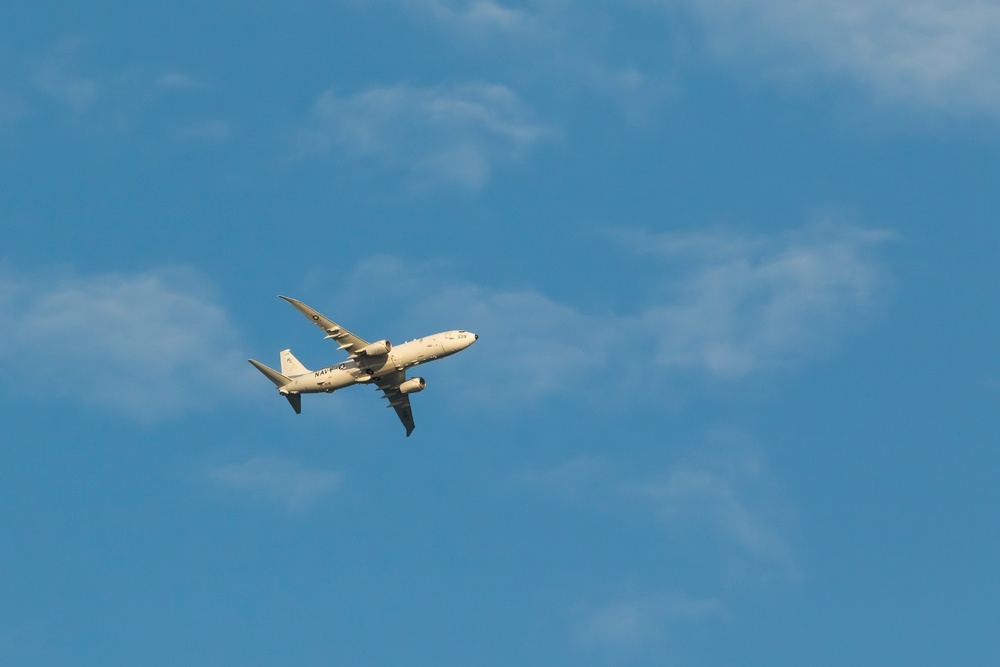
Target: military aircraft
[{"x": 380, "y": 363}]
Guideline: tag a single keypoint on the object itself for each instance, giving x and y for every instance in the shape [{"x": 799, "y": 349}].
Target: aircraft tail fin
[
  {"x": 274, "y": 376},
  {"x": 290, "y": 366}
]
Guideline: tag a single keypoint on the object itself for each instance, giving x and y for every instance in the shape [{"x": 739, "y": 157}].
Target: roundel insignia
[{"x": 316, "y": 317}]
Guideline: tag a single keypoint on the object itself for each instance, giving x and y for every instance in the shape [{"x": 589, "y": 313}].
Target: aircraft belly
[
  {"x": 327, "y": 379},
  {"x": 386, "y": 366},
  {"x": 405, "y": 355},
  {"x": 306, "y": 385},
  {"x": 341, "y": 379}
]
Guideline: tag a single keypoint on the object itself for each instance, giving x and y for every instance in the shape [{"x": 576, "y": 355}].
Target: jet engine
[
  {"x": 412, "y": 386},
  {"x": 377, "y": 349}
]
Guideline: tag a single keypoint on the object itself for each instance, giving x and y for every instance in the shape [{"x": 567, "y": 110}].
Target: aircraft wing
[
  {"x": 400, "y": 402},
  {"x": 342, "y": 336}
]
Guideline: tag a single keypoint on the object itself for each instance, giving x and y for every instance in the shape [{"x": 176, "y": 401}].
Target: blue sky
[{"x": 733, "y": 268}]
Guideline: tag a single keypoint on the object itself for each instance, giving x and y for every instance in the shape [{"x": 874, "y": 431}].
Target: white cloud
[
  {"x": 719, "y": 505},
  {"x": 748, "y": 303},
  {"x": 150, "y": 345},
  {"x": 943, "y": 53},
  {"x": 284, "y": 482},
  {"x": 55, "y": 75},
  {"x": 533, "y": 349},
  {"x": 179, "y": 81},
  {"x": 626, "y": 624},
  {"x": 527, "y": 342},
  {"x": 479, "y": 15},
  {"x": 732, "y": 305},
  {"x": 118, "y": 100},
  {"x": 725, "y": 493},
  {"x": 722, "y": 498},
  {"x": 541, "y": 34},
  {"x": 437, "y": 135}
]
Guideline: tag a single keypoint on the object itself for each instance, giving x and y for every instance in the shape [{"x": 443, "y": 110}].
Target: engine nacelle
[
  {"x": 412, "y": 386},
  {"x": 377, "y": 349}
]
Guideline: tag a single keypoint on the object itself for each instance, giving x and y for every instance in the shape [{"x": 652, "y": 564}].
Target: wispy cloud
[
  {"x": 723, "y": 497},
  {"x": 719, "y": 504},
  {"x": 149, "y": 345},
  {"x": 175, "y": 80},
  {"x": 625, "y": 626},
  {"x": 557, "y": 37},
  {"x": 287, "y": 483},
  {"x": 747, "y": 303},
  {"x": 479, "y": 15},
  {"x": 731, "y": 305},
  {"x": 65, "y": 78},
  {"x": 726, "y": 493},
  {"x": 942, "y": 53},
  {"x": 721, "y": 501},
  {"x": 57, "y": 74},
  {"x": 439, "y": 135},
  {"x": 526, "y": 330}
]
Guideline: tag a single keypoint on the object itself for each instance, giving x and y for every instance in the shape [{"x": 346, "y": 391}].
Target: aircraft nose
[{"x": 464, "y": 339}]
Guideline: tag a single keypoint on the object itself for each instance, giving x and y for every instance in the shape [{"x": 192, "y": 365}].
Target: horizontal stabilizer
[
  {"x": 274, "y": 376},
  {"x": 296, "y": 401}
]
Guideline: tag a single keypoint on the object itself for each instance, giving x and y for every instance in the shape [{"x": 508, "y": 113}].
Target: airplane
[{"x": 381, "y": 364}]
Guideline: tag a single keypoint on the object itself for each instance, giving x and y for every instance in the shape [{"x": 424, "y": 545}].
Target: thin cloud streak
[
  {"x": 439, "y": 135},
  {"x": 54, "y": 74},
  {"x": 722, "y": 497},
  {"x": 555, "y": 36},
  {"x": 107, "y": 101},
  {"x": 625, "y": 626},
  {"x": 479, "y": 15},
  {"x": 275, "y": 480},
  {"x": 719, "y": 502},
  {"x": 726, "y": 494},
  {"x": 175, "y": 80}
]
